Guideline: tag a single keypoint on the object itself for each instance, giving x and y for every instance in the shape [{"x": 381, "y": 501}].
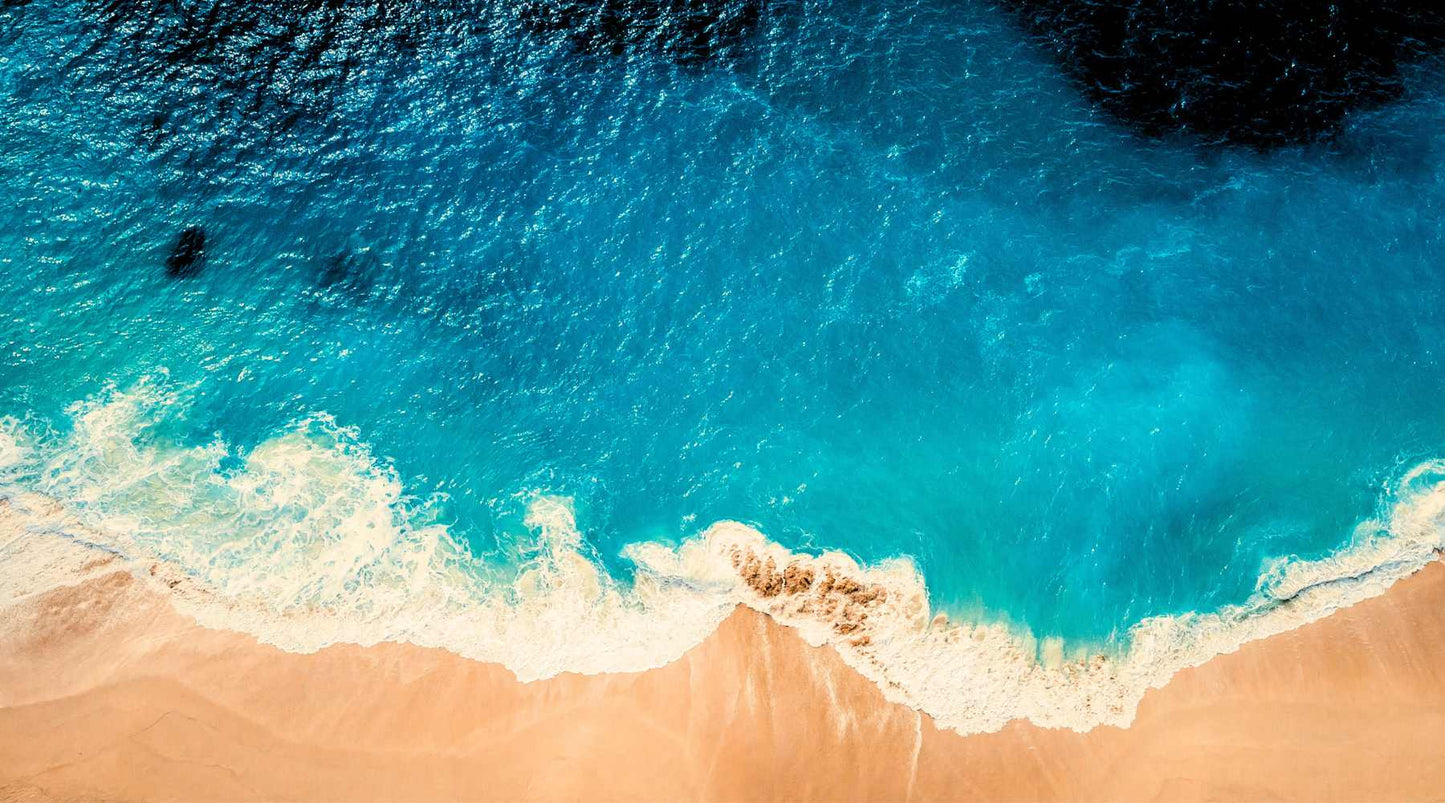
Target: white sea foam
[
  {"x": 307, "y": 540},
  {"x": 12, "y": 445}
]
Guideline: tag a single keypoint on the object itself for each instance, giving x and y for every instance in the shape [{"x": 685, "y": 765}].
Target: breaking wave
[{"x": 309, "y": 539}]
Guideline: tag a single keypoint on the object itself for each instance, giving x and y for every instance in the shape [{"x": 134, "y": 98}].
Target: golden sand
[{"x": 107, "y": 693}]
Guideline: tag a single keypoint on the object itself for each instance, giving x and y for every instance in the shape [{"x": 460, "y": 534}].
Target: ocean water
[{"x": 483, "y": 312}]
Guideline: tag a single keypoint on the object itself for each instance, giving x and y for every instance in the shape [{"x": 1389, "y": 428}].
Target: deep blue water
[{"x": 878, "y": 279}]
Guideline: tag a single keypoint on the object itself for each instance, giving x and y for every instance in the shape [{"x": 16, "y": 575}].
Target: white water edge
[{"x": 307, "y": 540}]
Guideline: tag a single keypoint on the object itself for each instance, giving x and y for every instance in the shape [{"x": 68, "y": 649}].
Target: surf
[{"x": 310, "y": 539}]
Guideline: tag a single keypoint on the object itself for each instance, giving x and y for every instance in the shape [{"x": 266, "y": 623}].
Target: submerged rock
[
  {"x": 346, "y": 272},
  {"x": 1235, "y": 71},
  {"x": 188, "y": 255},
  {"x": 338, "y": 269}
]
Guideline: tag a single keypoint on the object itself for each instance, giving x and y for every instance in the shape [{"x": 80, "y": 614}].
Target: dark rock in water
[
  {"x": 690, "y": 31},
  {"x": 188, "y": 255},
  {"x": 346, "y": 273},
  {"x": 337, "y": 270},
  {"x": 154, "y": 133},
  {"x": 1257, "y": 72}
]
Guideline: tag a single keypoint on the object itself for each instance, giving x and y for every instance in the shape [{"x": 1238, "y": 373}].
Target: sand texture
[{"x": 107, "y": 693}]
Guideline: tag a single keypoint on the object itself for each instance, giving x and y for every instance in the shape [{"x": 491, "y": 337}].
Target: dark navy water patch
[{"x": 1235, "y": 71}]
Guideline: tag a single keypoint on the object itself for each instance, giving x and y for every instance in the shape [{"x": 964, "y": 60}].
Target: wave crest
[{"x": 307, "y": 540}]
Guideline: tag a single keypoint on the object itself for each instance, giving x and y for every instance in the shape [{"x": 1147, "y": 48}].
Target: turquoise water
[{"x": 875, "y": 279}]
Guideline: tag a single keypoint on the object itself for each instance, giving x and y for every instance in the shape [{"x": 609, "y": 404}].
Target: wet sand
[{"x": 107, "y": 693}]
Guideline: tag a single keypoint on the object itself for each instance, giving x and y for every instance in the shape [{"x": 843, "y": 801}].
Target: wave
[{"x": 308, "y": 540}]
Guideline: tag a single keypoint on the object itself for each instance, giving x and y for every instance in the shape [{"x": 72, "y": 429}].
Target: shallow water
[{"x": 873, "y": 278}]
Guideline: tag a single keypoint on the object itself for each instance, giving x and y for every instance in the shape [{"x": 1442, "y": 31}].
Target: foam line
[{"x": 311, "y": 541}]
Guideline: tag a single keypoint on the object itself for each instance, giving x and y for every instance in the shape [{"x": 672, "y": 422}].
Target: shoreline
[
  {"x": 108, "y": 692},
  {"x": 310, "y": 540},
  {"x": 563, "y": 614}
]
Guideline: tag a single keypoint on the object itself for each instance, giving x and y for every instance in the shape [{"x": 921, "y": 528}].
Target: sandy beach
[
  {"x": 722, "y": 400},
  {"x": 108, "y": 693}
]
